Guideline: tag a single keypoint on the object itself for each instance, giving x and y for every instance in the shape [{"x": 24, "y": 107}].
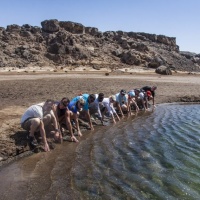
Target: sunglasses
[
  {"x": 92, "y": 100},
  {"x": 81, "y": 104},
  {"x": 65, "y": 103}
]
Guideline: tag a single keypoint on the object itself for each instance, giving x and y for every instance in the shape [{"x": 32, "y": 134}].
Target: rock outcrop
[{"x": 66, "y": 44}]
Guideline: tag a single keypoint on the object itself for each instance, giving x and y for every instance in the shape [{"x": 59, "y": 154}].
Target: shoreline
[
  {"x": 19, "y": 93},
  {"x": 31, "y": 152}
]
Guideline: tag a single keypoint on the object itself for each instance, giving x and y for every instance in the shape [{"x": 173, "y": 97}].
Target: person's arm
[
  {"x": 77, "y": 124},
  {"x": 99, "y": 112},
  {"x": 119, "y": 107},
  {"x": 89, "y": 119},
  {"x": 135, "y": 104},
  {"x": 69, "y": 126},
  {"x": 129, "y": 105},
  {"x": 144, "y": 103},
  {"x": 56, "y": 126},
  {"x": 43, "y": 134},
  {"x": 56, "y": 115},
  {"x": 112, "y": 111},
  {"x": 153, "y": 100}
]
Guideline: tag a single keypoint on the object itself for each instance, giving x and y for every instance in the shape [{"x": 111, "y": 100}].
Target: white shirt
[
  {"x": 34, "y": 111},
  {"x": 109, "y": 106},
  {"x": 106, "y": 103}
]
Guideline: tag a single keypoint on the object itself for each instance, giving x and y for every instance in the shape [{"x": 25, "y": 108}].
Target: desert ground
[{"x": 20, "y": 90}]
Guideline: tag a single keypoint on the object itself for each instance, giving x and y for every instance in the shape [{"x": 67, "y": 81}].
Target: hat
[
  {"x": 123, "y": 91},
  {"x": 148, "y": 93},
  {"x": 113, "y": 97},
  {"x": 81, "y": 100},
  {"x": 131, "y": 94}
]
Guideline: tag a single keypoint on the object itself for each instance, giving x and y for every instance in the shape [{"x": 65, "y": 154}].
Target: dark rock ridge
[{"x": 69, "y": 44}]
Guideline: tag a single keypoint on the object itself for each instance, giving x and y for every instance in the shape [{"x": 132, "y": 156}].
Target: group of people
[{"x": 67, "y": 112}]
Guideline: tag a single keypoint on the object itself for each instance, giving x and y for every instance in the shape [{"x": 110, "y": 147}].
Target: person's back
[
  {"x": 150, "y": 93},
  {"x": 121, "y": 99},
  {"x": 34, "y": 111}
]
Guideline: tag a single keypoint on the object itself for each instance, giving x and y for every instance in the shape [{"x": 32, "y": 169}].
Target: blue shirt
[
  {"x": 72, "y": 104},
  {"x": 121, "y": 98}
]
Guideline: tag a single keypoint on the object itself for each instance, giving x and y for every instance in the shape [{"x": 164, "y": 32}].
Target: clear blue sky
[{"x": 173, "y": 18}]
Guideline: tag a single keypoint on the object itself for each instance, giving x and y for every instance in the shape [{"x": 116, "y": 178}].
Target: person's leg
[
  {"x": 74, "y": 116},
  {"x": 35, "y": 123},
  {"x": 32, "y": 125}
]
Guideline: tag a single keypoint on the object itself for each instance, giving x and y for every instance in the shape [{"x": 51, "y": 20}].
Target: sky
[{"x": 173, "y": 18}]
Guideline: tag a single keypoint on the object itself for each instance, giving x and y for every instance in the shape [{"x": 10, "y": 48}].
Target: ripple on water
[{"x": 153, "y": 156}]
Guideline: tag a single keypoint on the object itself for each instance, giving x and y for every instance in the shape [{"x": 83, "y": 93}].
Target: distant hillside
[{"x": 69, "y": 44}]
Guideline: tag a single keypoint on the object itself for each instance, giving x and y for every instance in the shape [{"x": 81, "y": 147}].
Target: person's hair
[
  {"x": 101, "y": 95},
  {"x": 154, "y": 87},
  {"x": 92, "y": 96},
  {"x": 65, "y": 98},
  {"x": 113, "y": 97},
  {"x": 49, "y": 100}
]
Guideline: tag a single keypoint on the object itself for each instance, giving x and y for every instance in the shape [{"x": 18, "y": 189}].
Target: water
[{"x": 152, "y": 156}]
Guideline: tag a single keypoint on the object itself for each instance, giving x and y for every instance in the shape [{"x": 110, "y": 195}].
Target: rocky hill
[{"x": 69, "y": 45}]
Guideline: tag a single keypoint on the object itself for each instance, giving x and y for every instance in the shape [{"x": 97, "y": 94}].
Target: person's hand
[
  {"x": 73, "y": 138},
  {"x": 92, "y": 128},
  {"x": 79, "y": 133},
  {"x": 118, "y": 118},
  {"x": 46, "y": 147}
]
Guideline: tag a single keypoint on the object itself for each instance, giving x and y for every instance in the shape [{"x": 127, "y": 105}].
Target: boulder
[
  {"x": 72, "y": 27},
  {"x": 50, "y": 26},
  {"x": 131, "y": 58},
  {"x": 155, "y": 62},
  {"x": 163, "y": 70},
  {"x": 91, "y": 30},
  {"x": 13, "y": 28}
]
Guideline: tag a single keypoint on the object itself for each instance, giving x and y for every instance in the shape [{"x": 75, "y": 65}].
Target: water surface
[{"x": 154, "y": 155}]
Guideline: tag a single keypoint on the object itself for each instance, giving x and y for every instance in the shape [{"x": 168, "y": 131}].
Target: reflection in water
[{"x": 151, "y": 156}]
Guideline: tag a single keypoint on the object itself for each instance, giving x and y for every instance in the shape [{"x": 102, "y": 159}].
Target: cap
[
  {"x": 123, "y": 91},
  {"x": 131, "y": 94},
  {"x": 81, "y": 100},
  {"x": 113, "y": 97},
  {"x": 148, "y": 93},
  {"x": 137, "y": 90}
]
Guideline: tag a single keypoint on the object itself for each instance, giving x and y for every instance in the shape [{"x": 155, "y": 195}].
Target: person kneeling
[{"x": 35, "y": 118}]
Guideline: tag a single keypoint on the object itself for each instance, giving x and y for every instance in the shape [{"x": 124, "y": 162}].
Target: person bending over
[
  {"x": 108, "y": 104},
  {"x": 77, "y": 105},
  {"x": 35, "y": 118},
  {"x": 150, "y": 93},
  {"x": 121, "y": 102},
  {"x": 132, "y": 101}
]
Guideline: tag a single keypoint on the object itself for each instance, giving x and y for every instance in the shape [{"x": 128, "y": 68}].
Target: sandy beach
[{"x": 20, "y": 90}]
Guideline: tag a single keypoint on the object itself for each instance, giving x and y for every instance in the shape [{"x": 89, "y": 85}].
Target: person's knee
[
  {"x": 124, "y": 107},
  {"x": 47, "y": 119},
  {"x": 35, "y": 123}
]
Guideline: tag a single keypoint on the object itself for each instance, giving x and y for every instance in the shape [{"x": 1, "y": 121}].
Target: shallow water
[{"x": 155, "y": 155}]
